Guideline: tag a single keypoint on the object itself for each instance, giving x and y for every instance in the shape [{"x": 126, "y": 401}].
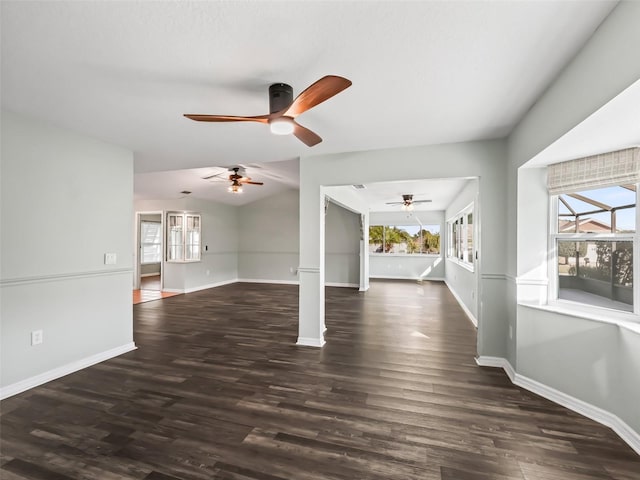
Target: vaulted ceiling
[{"x": 422, "y": 72}]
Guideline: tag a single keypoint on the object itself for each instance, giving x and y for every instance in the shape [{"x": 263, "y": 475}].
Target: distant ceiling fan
[
  {"x": 408, "y": 202},
  {"x": 284, "y": 109},
  {"x": 237, "y": 180}
]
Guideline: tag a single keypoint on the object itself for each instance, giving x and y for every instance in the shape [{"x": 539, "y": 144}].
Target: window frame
[
  {"x": 397, "y": 225},
  {"x": 182, "y": 243},
  {"x": 458, "y": 238},
  {"x": 553, "y": 259},
  {"x": 143, "y": 243}
]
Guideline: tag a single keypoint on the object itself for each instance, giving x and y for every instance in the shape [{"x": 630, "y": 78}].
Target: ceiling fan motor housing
[{"x": 280, "y": 97}]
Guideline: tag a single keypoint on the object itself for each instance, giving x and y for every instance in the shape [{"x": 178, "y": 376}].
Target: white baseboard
[
  {"x": 345, "y": 285},
  {"x": 173, "y": 290},
  {"x": 262, "y": 280},
  {"x": 209, "y": 285},
  {"x": 364, "y": 289},
  {"x": 155, "y": 274},
  {"x": 310, "y": 342},
  {"x": 473, "y": 319},
  {"x": 64, "y": 370},
  {"x": 416, "y": 279},
  {"x": 499, "y": 362},
  {"x": 624, "y": 431}
]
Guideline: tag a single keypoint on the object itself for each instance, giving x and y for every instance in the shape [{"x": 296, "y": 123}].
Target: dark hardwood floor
[{"x": 218, "y": 389}]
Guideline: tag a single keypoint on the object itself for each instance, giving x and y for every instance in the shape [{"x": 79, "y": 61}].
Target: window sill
[
  {"x": 630, "y": 321},
  {"x": 466, "y": 266},
  {"x": 429, "y": 255}
]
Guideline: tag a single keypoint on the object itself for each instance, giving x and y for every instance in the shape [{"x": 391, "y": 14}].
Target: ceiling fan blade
[
  {"x": 251, "y": 183},
  {"x": 394, "y": 203},
  {"x": 421, "y": 201},
  {"x": 305, "y": 135},
  {"x": 322, "y": 90},
  {"x": 213, "y": 176},
  {"x": 227, "y": 118}
]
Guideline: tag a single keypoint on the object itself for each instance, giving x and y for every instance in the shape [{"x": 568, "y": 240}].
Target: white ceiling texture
[{"x": 422, "y": 72}]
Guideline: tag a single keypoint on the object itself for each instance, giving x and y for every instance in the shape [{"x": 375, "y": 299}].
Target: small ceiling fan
[
  {"x": 408, "y": 202},
  {"x": 284, "y": 109},
  {"x": 237, "y": 180}
]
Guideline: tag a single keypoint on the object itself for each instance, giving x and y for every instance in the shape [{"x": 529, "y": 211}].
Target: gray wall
[
  {"x": 592, "y": 361},
  {"x": 268, "y": 238},
  {"x": 342, "y": 246},
  {"x": 268, "y": 232},
  {"x": 460, "y": 280},
  {"x": 66, "y": 200}
]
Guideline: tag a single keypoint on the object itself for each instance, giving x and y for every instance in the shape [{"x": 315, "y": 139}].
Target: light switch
[{"x": 109, "y": 258}]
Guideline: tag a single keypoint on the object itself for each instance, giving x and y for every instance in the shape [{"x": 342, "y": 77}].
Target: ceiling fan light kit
[
  {"x": 237, "y": 180},
  {"x": 235, "y": 187},
  {"x": 284, "y": 109},
  {"x": 282, "y": 126}
]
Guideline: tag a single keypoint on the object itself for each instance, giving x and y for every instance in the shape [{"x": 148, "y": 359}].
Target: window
[
  {"x": 460, "y": 243},
  {"x": 150, "y": 242},
  {"x": 183, "y": 237},
  {"x": 594, "y": 237},
  {"x": 405, "y": 239}
]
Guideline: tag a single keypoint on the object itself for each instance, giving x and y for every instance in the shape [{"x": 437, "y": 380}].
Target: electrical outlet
[
  {"x": 110, "y": 258},
  {"x": 208, "y": 272},
  {"x": 36, "y": 337}
]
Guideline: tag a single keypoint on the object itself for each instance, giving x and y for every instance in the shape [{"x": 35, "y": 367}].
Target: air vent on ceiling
[
  {"x": 185, "y": 192},
  {"x": 358, "y": 187}
]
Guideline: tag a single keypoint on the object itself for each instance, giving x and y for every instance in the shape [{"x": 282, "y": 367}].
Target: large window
[
  {"x": 460, "y": 242},
  {"x": 594, "y": 242},
  {"x": 150, "y": 242},
  {"x": 405, "y": 239},
  {"x": 183, "y": 237}
]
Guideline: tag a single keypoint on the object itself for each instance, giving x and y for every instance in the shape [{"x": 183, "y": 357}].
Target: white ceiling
[
  {"x": 422, "y": 72},
  {"x": 441, "y": 192},
  {"x": 276, "y": 176},
  {"x": 613, "y": 127}
]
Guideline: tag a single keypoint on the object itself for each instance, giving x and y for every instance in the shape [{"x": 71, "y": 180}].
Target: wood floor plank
[{"x": 217, "y": 389}]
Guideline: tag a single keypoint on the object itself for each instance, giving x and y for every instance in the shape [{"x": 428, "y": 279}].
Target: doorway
[{"x": 148, "y": 280}]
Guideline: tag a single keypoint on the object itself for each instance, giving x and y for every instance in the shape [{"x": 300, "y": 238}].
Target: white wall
[
  {"x": 66, "y": 200},
  {"x": 219, "y": 262},
  {"x": 461, "y": 280},
  {"x": 486, "y": 160},
  {"x": 587, "y": 360}
]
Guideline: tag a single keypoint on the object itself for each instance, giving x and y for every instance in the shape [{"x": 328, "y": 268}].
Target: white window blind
[{"x": 621, "y": 167}]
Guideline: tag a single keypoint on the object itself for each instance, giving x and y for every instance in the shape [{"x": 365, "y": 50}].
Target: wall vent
[
  {"x": 358, "y": 187},
  {"x": 185, "y": 192}
]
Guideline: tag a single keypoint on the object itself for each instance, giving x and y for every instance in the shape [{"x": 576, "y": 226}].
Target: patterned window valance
[{"x": 621, "y": 167}]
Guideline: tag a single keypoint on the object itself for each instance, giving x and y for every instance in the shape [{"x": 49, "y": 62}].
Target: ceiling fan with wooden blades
[
  {"x": 284, "y": 109},
  {"x": 236, "y": 178}
]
